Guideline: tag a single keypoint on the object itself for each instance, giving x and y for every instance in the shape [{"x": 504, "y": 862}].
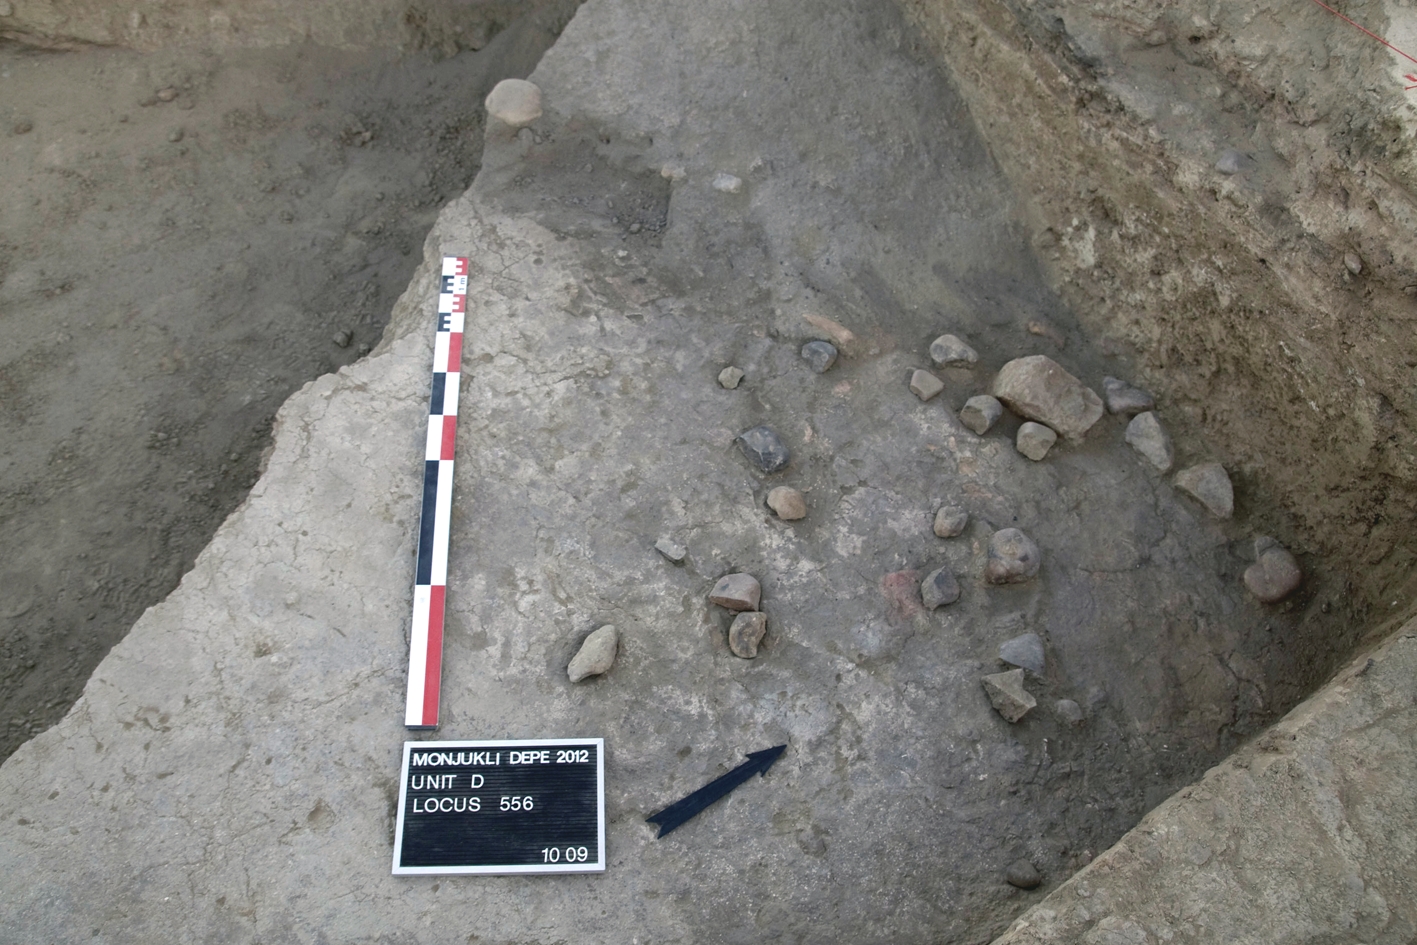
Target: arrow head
[{"x": 762, "y": 760}]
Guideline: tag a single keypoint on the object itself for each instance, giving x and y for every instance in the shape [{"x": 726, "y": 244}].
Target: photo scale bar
[{"x": 425, "y": 661}]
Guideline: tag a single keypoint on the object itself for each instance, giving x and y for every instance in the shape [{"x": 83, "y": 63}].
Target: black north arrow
[{"x": 680, "y": 811}]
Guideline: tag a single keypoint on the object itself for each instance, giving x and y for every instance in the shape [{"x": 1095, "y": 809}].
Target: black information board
[{"x": 502, "y": 807}]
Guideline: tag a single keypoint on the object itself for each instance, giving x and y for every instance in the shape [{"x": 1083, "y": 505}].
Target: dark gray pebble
[
  {"x": 764, "y": 449},
  {"x": 819, "y": 355}
]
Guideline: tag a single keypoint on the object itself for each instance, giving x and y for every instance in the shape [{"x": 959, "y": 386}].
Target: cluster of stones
[{"x": 741, "y": 593}]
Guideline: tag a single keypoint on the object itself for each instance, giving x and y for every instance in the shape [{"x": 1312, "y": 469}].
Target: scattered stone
[
  {"x": 1353, "y": 263},
  {"x": 1230, "y": 162},
  {"x": 1149, "y": 438},
  {"x": 1013, "y": 557},
  {"x": 1046, "y": 330},
  {"x": 514, "y": 102},
  {"x": 842, "y": 335},
  {"x": 819, "y": 355},
  {"x": 980, "y": 412},
  {"x": 343, "y": 337},
  {"x": 23, "y": 127},
  {"x": 1023, "y": 874},
  {"x": 764, "y": 449},
  {"x": 175, "y": 135},
  {"x": 789, "y": 504},
  {"x": 737, "y": 592},
  {"x": 1210, "y": 485},
  {"x": 1274, "y": 575},
  {"x": 1026, "y": 652},
  {"x": 746, "y": 632},
  {"x": 1037, "y": 388},
  {"x": 167, "y": 94},
  {"x": 925, "y": 385},
  {"x": 729, "y": 377},
  {"x": 1006, "y": 692},
  {"x": 950, "y": 521},
  {"x": 671, "y": 550},
  {"x": 1125, "y": 399},
  {"x": 1035, "y": 440},
  {"x": 727, "y": 183},
  {"x": 596, "y": 654},
  {"x": 939, "y": 588},
  {"x": 950, "y": 350},
  {"x": 1068, "y": 712}
]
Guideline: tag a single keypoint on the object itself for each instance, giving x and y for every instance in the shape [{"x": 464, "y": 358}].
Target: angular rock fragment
[
  {"x": 1037, "y": 388},
  {"x": 1013, "y": 557},
  {"x": 981, "y": 412},
  {"x": 1274, "y": 575},
  {"x": 596, "y": 655},
  {"x": 737, "y": 591},
  {"x": 1026, "y": 652},
  {"x": 925, "y": 385},
  {"x": 1125, "y": 399},
  {"x": 1034, "y": 440},
  {"x": 1023, "y": 874},
  {"x": 1006, "y": 692},
  {"x": 764, "y": 449},
  {"x": 1148, "y": 437},
  {"x": 949, "y": 350},
  {"x": 1209, "y": 484},
  {"x": 939, "y": 588},
  {"x": 746, "y": 632},
  {"x": 671, "y": 550},
  {"x": 514, "y": 102},
  {"x": 788, "y": 504},
  {"x": 729, "y": 377},
  {"x": 950, "y": 521},
  {"x": 819, "y": 355}
]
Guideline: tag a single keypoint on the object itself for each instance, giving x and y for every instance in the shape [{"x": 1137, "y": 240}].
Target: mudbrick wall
[{"x": 1223, "y": 193}]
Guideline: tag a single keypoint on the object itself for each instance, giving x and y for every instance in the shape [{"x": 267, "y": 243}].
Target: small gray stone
[
  {"x": 950, "y": 521},
  {"x": 1231, "y": 162},
  {"x": 939, "y": 588},
  {"x": 737, "y": 592},
  {"x": 729, "y": 377},
  {"x": 1023, "y": 874},
  {"x": 764, "y": 449},
  {"x": 672, "y": 550},
  {"x": 1026, "y": 652},
  {"x": 1353, "y": 263},
  {"x": 1006, "y": 692},
  {"x": 981, "y": 412},
  {"x": 925, "y": 385},
  {"x": 342, "y": 338},
  {"x": 514, "y": 102},
  {"x": 1210, "y": 485},
  {"x": 949, "y": 350},
  {"x": 1037, "y": 388},
  {"x": 1068, "y": 712},
  {"x": 1125, "y": 399},
  {"x": 596, "y": 654},
  {"x": 1013, "y": 557},
  {"x": 1274, "y": 576},
  {"x": 167, "y": 94},
  {"x": 746, "y": 632},
  {"x": 789, "y": 504},
  {"x": 1035, "y": 440},
  {"x": 175, "y": 135},
  {"x": 819, "y": 355},
  {"x": 727, "y": 183},
  {"x": 1149, "y": 438}
]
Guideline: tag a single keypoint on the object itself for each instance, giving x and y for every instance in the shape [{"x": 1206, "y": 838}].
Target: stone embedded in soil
[
  {"x": 764, "y": 449},
  {"x": 950, "y": 521},
  {"x": 1275, "y": 575},
  {"x": 746, "y": 632},
  {"x": 342, "y": 338},
  {"x": 1148, "y": 437},
  {"x": 819, "y": 355},
  {"x": 1038, "y": 388},
  {"x": 840, "y": 334},
  {"x": 727, "y": 183},
  {"x": 514, "y": 102},
  {"x": 1026, "y": 652},
  {"x": 1013, "y": 557},
  {"x": 671, "y": 550},
  {"x": 1209, "y": 484},
  {"x": 925, "y": 385},
  {"x": 948, "y": 350},
  {"x": 1353, "y": 263},
  {"x": 596, "y": 655},
  {"x": 167, "y": 94},
  {"x": 1034, "y": 440},
  {"x": 737, "y": 591},
  {"x": 787, "y": 503},
  {"x": 175, "y": 135},
  {"x": 981, "y": 412},
  {"x": 1023, "y": 874},
  {"x": 729, "y": 377},
  {"x": 1230, "y": 162},
  {"x": 1006, "y": 692},
  {"x": 939, "y": 588},
  {"x": 1125, "y": 399},
  {"x": 1068, "y": 712}
]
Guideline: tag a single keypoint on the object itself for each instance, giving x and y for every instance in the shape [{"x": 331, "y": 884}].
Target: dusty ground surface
[{"x": 170, "y": 271}]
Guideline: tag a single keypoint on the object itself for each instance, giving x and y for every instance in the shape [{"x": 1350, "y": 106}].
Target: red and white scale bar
[{"x": 425, "y": 663}]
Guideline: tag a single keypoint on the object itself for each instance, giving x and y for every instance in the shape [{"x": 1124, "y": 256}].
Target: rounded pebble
[
  {"x": 951, "y": 350},
  {"x": 950, "y": 521},
  {"x": 729, "y": 377},
  {"x": 342, "y": 338},
  {"x": 788, "y": 504},
  {"x": 1023, "y": 874},
  {"x": 1274, "y": 576},
  {"x": 737, "y": 591},
  {"x": 746, "y": 633},
  {"x": 939, "y": 588},
  {"x": 1068, "y": 712},
  {"x": 1034, "y": 440},
  {"x": 764, "y": 449},
  {"x": 1353, "y": 263},
  {"x": 819, "y": 355},
  {"x": 596, "y": 655},
  {"x": 167, "y": 94},
  {"x": 981, "y": 412},
  {"x": 514, "y": 102},
  {"x": 925, "y": 385},
  {"x": 1013, "y": 557}
]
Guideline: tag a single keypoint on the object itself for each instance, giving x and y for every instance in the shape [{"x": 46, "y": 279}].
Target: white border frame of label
[{"x": 597, "y": 867}]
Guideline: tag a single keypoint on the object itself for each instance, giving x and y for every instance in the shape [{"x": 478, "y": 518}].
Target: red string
[{"x": 1410, "y": 78}]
